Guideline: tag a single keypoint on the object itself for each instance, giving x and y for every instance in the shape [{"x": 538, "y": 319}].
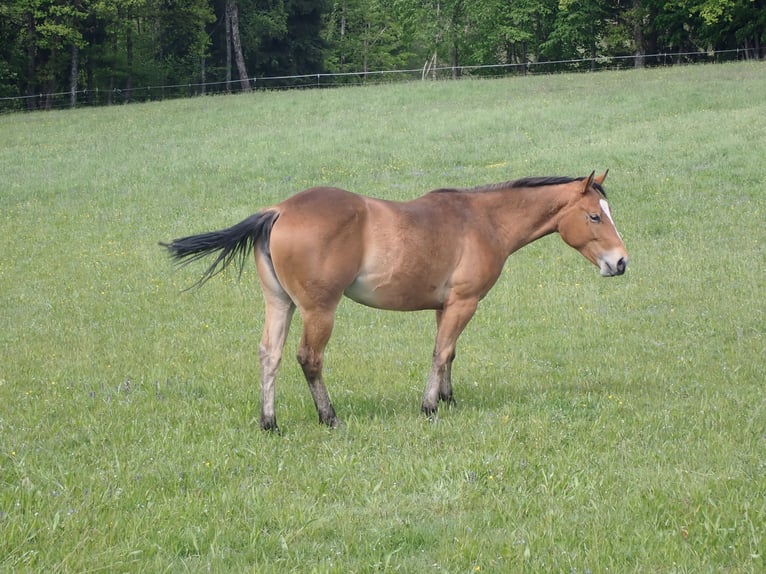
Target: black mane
[
  {"x": 523, "y": 182},
  {"x": 543, "y": 181}
]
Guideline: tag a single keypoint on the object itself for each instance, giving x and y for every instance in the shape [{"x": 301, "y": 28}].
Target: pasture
[{"x": 602, "y": 425}]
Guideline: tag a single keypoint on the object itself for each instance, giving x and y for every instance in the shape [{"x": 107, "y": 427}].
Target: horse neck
[{"x": 523, "y": 215}]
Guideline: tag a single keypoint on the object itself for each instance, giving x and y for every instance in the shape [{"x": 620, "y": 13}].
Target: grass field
[{"x": 602, "y": 425}]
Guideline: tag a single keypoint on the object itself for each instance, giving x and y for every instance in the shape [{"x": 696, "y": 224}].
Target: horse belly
[
  {"x": 395, "y": 294},
  {"x": 407, "y": 261}
]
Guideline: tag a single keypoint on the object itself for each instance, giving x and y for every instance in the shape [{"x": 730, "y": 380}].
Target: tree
[
  {"x": 51, "y": 37},
  {"x": 362, "y": 36},
  {"x": 436, "y": 29},
  {"x": 577, "y": 32},
  {"x": 510, "y": 32},
  {"x": 12, "y": 49},
  {"x": 232, "y": 27},
  {"x": 288, "y": 38},
  {"x": 182, "y": 38},
  {"x": 59, "y": 47},
  {"x": 733, "y": 24}
]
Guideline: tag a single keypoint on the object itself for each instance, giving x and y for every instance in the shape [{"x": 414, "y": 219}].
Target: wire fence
[{"x": 101, "y": 97}]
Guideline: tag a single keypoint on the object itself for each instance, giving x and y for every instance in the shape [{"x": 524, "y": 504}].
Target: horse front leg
[
  {"x": 450, "y": 323},
  {"x": 445, "y": 384},
  {"x": 445, "y": 379},
  {"x": 317, "y": 328}
]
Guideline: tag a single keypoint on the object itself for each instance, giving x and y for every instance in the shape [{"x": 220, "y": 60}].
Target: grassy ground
[{"x": 602, "y": 425}]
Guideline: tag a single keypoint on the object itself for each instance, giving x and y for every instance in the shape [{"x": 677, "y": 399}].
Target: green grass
[{"x": 602, "y": 425}]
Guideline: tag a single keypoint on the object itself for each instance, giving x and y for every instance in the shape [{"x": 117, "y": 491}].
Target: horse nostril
[{"x": 621, "y": 264}]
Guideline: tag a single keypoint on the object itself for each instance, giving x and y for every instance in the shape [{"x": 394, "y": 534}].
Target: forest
[{"x": 89, "y": 52}]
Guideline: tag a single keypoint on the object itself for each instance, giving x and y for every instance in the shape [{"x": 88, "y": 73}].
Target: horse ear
[
  {"x": 600, "y": 179},
  {"x": 588, "y": 182}
]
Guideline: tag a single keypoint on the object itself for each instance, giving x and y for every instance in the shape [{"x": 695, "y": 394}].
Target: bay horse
[{"x": 443, "y": 251}]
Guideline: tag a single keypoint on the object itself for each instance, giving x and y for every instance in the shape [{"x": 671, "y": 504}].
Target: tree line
[{"x": 117, "y": 49}]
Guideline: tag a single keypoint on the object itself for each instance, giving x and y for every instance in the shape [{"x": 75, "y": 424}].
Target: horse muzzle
[{"x": 613, "y": 264}]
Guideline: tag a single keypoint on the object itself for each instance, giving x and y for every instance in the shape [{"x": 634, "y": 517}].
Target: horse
[{"x": 443, "y": 252}]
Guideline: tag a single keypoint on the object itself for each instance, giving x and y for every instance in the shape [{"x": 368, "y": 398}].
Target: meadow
[{"x": 602, "y": 425}]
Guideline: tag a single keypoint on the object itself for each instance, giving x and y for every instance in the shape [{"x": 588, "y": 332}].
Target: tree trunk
[
  {"x": 73, "y": 77},
  {"x": 129, "y": 55},
  {"x": 437, "y": 39},
  {"x": 227, "y": 24},
  {"x": 593, "y": 47},
  {"x": 343, "y": 38},
  {"x": 231, "y": 8},
  {"x": 454, "y": 33},
  {"x": 202, "y": 75},
  {"x": 365, "y": 49},
  {"x": 638, "y": 35},
  {"x": 89, "y": 81},
  {"x": 48, "y": 90},
  {"x": 454, "y": 61},
  {"x": 31, "y": 61}
]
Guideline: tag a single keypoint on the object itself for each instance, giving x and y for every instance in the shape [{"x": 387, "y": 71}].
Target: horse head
[{"x": 587, "y": 226}]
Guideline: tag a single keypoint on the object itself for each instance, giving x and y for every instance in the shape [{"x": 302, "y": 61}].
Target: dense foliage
[{"x": 116, "y": 50}]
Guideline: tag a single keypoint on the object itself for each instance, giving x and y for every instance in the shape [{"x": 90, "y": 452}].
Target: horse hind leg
[
  {"x": 279, "y": 309},
  {"x": 317, "y": 328},
  {"x": 279, "y": 313}
]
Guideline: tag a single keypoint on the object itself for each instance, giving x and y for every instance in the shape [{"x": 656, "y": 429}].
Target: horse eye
[{"x": 595, "y": 218}]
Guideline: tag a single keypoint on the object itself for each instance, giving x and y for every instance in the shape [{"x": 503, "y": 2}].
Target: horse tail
[{"x": 236, "y": 242}]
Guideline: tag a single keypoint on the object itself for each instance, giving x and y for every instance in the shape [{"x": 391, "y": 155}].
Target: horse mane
[{"x": 523, "y": 182}]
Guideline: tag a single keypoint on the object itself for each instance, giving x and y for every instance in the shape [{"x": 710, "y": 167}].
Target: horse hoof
[
  {"x": 428, "y": 411},
  {"x": 448, "y": 400},
  {"x": 333, "y": 423},
  {"x": 270, "y": 425}
]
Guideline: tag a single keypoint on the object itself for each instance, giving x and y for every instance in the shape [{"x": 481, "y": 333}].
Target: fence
[{"x": 99, "y": 97}]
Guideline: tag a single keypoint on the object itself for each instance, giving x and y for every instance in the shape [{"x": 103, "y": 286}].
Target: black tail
[{"x": 232, "y": 243}]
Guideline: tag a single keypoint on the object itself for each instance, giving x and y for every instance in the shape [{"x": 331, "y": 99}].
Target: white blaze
[{"x": 605, "y": 209}]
